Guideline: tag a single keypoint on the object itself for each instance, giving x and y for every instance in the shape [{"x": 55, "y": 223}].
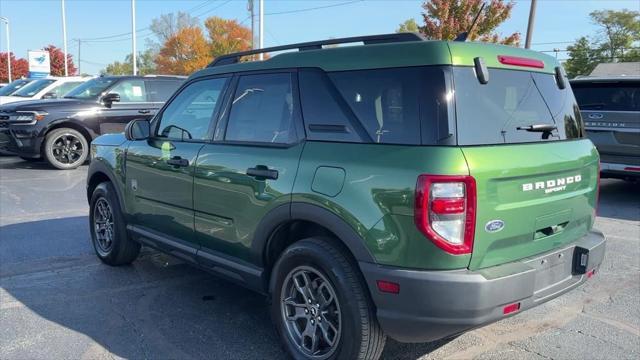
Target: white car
[{"x": 45, "y": 88}]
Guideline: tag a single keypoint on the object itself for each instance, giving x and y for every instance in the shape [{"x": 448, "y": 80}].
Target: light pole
[
  {"x": 6, "y": 21},
  {"x": 64, "y": 39},
  {"x": 532, "y": 17},
  {"x": 261, "y": 31},
  {"x": 133, "y": 37}
]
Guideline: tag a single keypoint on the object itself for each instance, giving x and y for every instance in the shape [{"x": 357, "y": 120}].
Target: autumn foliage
[
  {"x": 19, "y": 67},
  {"x": 183, "y": 53},
  {"x": 226, "y": 36},
  {"x": 57, "y": 61},
  {"x": 444, "y": 19}
]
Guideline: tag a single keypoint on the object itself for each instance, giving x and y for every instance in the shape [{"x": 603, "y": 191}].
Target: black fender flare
[
  {"x": 98, "y": 166},
  {"x": 69, "y": 120},
  {"x": 312, "y": 213}
]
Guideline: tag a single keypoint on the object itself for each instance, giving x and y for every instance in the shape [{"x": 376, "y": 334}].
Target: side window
[
  {"x": 190, "y": 113},
  {"x": 161, "y": 90},
  {"x": 63, "y": 89},
  {"x": 130, "y": 91},
  {"x": 324, "y": 118},
  {"x": 262, "y": 110}
]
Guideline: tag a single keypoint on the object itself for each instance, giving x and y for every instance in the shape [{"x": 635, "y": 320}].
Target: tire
[
  {"x": 352, "y": 332},
  {"x": 28, "y": 159},
  {"x": 65, "y": 148},
  {"x": 118, "y": 248}
]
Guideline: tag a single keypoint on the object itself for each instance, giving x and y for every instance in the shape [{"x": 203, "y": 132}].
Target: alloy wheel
[
  {"x": 103, "y": 225},
  {"x": 67, "y": 149}
]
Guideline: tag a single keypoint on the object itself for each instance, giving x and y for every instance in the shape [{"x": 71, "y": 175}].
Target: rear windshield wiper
[{"x": 545, "y": 129}]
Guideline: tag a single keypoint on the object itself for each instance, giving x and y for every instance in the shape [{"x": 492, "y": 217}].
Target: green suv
[{"x": 401, "y": 187}]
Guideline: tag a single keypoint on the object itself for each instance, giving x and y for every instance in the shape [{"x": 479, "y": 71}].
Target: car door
[
  {"x": 250, "y": 167},
  {"x": 159, "y": 171},
  {"x": 133, "y": 104}
]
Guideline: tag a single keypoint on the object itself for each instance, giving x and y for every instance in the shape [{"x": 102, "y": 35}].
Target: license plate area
[{"x": 552, "y": 269}]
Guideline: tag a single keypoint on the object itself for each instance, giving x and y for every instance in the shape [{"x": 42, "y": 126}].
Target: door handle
[
  {"x": 144, "y": 111},
  {"x": 177, "y": 161},
  {"x": 261, "y": 172}
]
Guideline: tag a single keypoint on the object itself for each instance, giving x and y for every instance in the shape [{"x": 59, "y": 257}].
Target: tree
[
  {"x": 167, "y": 25},
  {"x": 19, "y": 67},
  {"x": 619, "y": 30},
  {"x": 56, "y": 56},
  {"x": 583, "y": 58},
  {"x": 145, "y": 61},
  {"x": 226, "y": 36},
  {"x": 445, "y": 19},
  {"x": 184, "y": 52},
  {"x": 408, "y": 26}
]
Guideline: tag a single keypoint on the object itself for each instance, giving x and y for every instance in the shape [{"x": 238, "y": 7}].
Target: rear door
[
  {"x": 535, "y": 190},
  {"x": 133, "y": 104},
  {"x": 250, "y": 167},
  {"x": 611, "y": 112},
  {"x": 159, "y": 90}
]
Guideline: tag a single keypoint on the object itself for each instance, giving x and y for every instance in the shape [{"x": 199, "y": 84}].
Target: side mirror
[
  {"x": 138, "y": 129},
  {"x": 109, "y": 99},
  {"x": 50, "y": 95}
]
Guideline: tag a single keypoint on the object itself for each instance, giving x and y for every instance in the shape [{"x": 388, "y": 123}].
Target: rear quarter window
[
  {"x": 607, "y": 96},
  {"x": 161, "y": 90}
]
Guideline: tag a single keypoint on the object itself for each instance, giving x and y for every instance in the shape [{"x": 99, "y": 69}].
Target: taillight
[
  {"x": 445, "y": 211},
  {"x": 595, "y": 207}
]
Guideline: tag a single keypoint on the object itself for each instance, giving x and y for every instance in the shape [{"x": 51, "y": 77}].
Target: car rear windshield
[
  {"x": 13, "y": 87},
  {"x": 33, "y": 88},
  {"x": 502, "y": 110},
  {"x": 608, "y": 96}
]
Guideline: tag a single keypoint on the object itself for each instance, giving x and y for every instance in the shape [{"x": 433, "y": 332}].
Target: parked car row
[{"x": 59, "y": 129}]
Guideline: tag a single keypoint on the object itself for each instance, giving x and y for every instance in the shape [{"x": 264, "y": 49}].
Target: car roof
[{"x": 403, "y": 53}]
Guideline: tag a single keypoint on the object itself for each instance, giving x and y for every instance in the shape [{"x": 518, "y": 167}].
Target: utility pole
[
  {"x": 6, "y": 21},
  {"x": 532, "y": 16},
  {"x": 133, "y": 36},
  {"x": 64, "y": 38},
  {"x": 250, "y": 8},
  {"x": 261, "y": 33}
]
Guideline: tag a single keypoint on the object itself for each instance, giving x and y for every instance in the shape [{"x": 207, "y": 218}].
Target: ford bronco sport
[{"x": 404, "y": 188}]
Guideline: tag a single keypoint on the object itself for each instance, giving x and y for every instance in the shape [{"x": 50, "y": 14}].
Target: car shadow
[
  {"x": 619, "y": 200},
  {"x": 158, "y": 307}
]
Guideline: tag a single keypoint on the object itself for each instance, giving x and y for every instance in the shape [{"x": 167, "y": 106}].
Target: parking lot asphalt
[{"x": 57, "y": 301}]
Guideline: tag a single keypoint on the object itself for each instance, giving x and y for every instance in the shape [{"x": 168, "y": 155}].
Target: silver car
[{"x": 610, "y": 108}]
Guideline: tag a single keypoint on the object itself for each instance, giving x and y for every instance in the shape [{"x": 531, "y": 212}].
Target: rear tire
[
  {"x": 65, "y": 148},
  {"x": 109, "y": 236},
  {"x": 318, "y": 291}
]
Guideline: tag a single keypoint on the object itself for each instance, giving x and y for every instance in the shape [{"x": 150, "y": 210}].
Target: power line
[{"x": 313, "y": 8}]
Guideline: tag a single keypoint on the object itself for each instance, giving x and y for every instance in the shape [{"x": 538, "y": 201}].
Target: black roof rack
[{"x": 315, "y": 45}]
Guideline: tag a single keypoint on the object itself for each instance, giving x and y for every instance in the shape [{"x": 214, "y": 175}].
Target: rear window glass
[
  {"x": 620, "y": 96},
  {"x": 398, "y": 105},
  {"x": 500, "y": 111},
  {"x": 161, "y": 90}
]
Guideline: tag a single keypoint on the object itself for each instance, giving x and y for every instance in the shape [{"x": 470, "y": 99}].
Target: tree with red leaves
[
  {"x": 19, "y": 67},
  {"x": 445, "y": 19},
  {"x": 57, "y": 61}
]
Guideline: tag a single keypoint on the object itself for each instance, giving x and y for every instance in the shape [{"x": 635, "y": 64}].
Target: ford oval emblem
[
  {"x": 494, "y": 226},
  {"x": 595, "y": 116}
]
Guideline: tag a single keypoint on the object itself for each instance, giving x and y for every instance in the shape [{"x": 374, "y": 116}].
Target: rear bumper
[
  {"x": 433, "y": 305},
  {"x": 615, "y": 170}
]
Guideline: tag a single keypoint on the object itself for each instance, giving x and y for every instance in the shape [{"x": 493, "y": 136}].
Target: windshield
[
  {"x": 609, "y": 96},
  {"x": 505, "y": 109},
  {"x": 13, "y": 87},
  {"x": 91, "y": 89},
  {"x": 33, "y": 88}
]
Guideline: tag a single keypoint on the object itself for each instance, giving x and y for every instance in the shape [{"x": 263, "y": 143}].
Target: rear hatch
[
  {"x": 611, "y": 112},
  {"x": 536, "y": 190}
]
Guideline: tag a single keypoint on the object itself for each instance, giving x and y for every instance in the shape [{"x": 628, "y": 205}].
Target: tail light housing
[{"x": 445, "y": 211}]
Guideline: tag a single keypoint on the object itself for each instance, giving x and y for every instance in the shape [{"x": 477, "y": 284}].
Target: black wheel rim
[
  {"x": 311, "y": 312},
  {"x": 103, "y": 225},
  {"x": 67, "y": 149}
]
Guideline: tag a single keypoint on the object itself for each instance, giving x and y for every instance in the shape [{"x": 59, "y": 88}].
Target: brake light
[
  {"x": 595, "y": 208},
  {"x": 520, "y": 61},
  {"x": 445, "y": 211}
]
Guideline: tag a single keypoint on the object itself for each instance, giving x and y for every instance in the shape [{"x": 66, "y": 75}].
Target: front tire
[
  {"x": 65, "y": 148},
  {"x": 112, "y": 244},
  {"x": 320, "y": 304}
]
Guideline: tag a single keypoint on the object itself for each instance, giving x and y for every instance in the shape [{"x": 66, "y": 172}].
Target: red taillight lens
[
  {"x": 388, "y": 287},
  {"x": 445, "y": 211},
  {"x": 511, "y": 308},
  {"x": 520, "y": 61},
  {"x": 595, "y": 208}
]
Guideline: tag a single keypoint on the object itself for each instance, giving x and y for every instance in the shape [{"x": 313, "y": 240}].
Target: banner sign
[{"x": 39, "y": 64}]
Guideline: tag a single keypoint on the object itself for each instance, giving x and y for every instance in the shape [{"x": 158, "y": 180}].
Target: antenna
[{"x": 464, "y": 35}]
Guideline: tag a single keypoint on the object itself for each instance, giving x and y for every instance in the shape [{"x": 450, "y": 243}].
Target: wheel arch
[
  {"x": 71, "y": 124},
  {"x": 99, "y": 173}
]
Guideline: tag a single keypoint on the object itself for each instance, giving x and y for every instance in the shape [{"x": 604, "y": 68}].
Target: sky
[{"x": 35, "y": 24}]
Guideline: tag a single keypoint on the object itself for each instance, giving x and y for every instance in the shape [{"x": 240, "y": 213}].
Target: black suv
[{"x": 60, "y": 130}]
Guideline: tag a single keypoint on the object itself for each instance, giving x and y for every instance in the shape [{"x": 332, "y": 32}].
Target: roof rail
[{"x": 316, "y": 45}]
